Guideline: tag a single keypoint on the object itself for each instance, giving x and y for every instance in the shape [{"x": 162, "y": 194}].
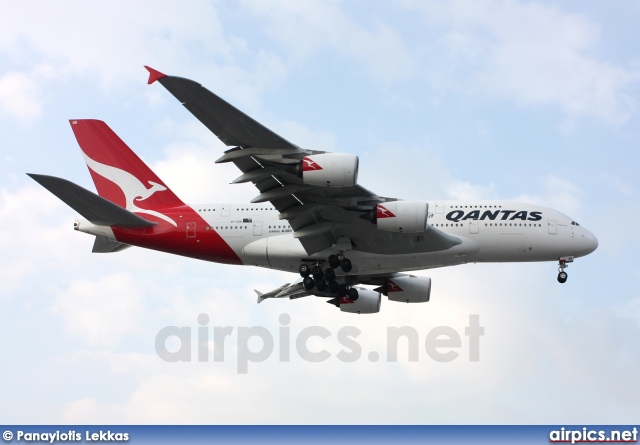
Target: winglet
[{"x": 154, "y": 75}]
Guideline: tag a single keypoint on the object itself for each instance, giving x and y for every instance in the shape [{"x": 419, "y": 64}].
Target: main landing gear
[
  {"x": 562, "y": 265},
  {"x": 325, "y": 280}
]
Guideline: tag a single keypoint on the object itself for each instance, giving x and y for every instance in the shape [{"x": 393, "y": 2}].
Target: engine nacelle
[
  {"x": 409, "y": 289},
  {"x": 368, "y": 302},
  {"x": 329, "y": 170},
  {"x": 402, "y": 216}
]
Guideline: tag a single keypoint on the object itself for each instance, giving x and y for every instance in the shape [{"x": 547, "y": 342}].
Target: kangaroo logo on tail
[{"x": 132, "y": 188}]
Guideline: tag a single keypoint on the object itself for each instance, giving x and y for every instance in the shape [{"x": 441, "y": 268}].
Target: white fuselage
[{"x": 490, "y": 231}]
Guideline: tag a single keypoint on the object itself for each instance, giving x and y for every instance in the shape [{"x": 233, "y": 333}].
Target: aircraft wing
[
  {"x": 231, "y": 125},
  {"x": 320, "y": 216}
]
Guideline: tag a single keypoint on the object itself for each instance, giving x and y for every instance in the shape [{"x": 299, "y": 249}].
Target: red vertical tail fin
[{"x": 118, "y": 173}]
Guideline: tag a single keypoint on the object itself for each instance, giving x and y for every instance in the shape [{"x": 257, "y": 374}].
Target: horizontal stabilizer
[
  {"x": 261, "y": 296},
  {"x": 103, "y": 245},
  {"x": 293, "y": 290},
  {"x": 95, "y": 208}
]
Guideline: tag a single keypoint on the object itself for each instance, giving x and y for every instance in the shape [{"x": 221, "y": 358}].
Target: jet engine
[
  {"x": 400, "y": 216},
  {"x": 329, "y": 170},
  {"x": 368, "y": 302},
  {"x": 408, "y": 289}
]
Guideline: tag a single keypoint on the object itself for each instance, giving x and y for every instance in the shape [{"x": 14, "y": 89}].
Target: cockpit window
[{"x": 573, "y": 223}]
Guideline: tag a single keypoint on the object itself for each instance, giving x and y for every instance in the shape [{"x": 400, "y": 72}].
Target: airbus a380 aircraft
[{"x": 310, "y": 216}]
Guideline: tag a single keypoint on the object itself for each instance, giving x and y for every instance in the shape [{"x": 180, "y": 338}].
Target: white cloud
[
  {"x": 557, "y": 193},
  {"x": 144, "y": 30},
  {"x": 27, "y": 241},
  {"x": 190, "y": 169},
  {"x": 617, "y": 183},
  {"x": 307, "y": 28},
  {"x": 528, "y": 52},
  {"x": 160, "y": 34},
  {"x": 100, "y": 312},
  {"x": 466, "y": 191},
  {"x": 19, "y": 95},
  {"x": 305, "y": 137}
]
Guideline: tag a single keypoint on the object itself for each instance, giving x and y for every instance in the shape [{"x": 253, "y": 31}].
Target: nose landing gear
[
  {"x": 562, "y": 276},
  {"x": 562, "y": 265}
]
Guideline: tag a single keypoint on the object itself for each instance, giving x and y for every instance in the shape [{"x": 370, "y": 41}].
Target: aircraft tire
[
  {"x": 304, "y": 270},
  {"x": 316, "y": 271},
  {"x": 308, "y": 283},
  {"x": 329, "y": 274},
  {"x": 562, "y": 277},
  {"x": 321, "y": 284}
]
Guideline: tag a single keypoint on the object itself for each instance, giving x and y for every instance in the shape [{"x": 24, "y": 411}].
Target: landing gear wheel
[
  {"x": 353, "y": 294},
  {"x": 342, "y": 290},
  {"x": 316, "y": 271},
  {"x": 562, "y": 265},
  {"x": 334, "y": 261},
  {"x": 330, "y": 274},
  {"x": 308, "y": 283},
  {"x": 333, "y": 286},
  {"x": 562, "y": 277},
  {"x": 304, "y": 270},
  {"x": 345, "y": 265},
  {"x": 321, "y": 284}
]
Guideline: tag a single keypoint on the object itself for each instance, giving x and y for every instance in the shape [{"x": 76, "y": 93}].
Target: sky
[{"x": 515, "y": 100}]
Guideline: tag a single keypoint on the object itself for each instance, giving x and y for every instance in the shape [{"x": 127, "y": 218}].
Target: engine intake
[{"x": 329, "y": 170}]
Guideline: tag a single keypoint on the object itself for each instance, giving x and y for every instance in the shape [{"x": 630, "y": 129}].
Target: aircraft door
[
  {"x": 552, "y": 227},
  {"x": 226, "y": 210},
  {"x": 257, "y": 228},
  {"x": 191, "y": 230},
  {"x": 473, "y": 227}
]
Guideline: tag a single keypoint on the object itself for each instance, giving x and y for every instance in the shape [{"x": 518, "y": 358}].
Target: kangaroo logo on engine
[
  {"x": 492, "y": 215},
  {"x": 310, "y": 165},
  {"x": 383, "y": 212}
]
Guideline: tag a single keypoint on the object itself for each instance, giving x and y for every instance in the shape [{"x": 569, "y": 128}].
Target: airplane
[{"x": 310, "y": 217}]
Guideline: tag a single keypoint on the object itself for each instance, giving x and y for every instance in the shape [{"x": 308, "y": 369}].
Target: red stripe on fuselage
[{"x": 206, "y": 245}]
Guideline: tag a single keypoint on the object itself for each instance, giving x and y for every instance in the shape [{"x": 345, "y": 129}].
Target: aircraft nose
[{"x": 589, "y": 243}]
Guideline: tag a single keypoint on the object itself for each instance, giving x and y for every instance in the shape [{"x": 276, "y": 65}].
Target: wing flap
[{"x": 95, "y": 208}]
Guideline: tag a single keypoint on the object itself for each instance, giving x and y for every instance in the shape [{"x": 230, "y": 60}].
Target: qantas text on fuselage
[{"x": 502, "y": 215}]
